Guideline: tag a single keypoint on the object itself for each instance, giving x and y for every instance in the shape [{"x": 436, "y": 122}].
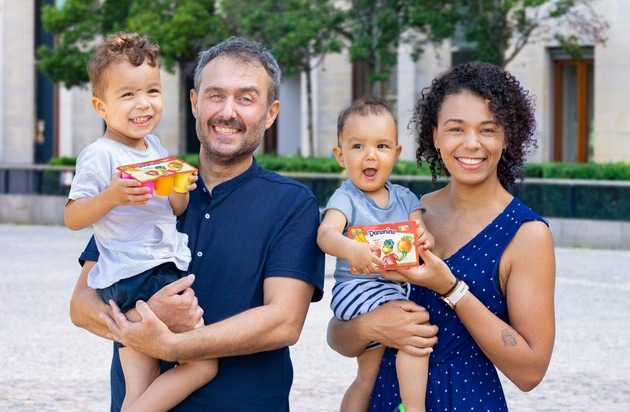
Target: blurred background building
[{"x": 582, "y": 104}]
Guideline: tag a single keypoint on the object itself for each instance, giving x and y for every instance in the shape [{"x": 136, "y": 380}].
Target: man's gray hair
[{"x": 247, "y": 51}]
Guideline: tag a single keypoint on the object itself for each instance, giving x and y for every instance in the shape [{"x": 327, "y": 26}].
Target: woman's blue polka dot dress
[{"x": 461, "y": 377}]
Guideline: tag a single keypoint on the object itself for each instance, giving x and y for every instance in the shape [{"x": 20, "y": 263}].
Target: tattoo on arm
[{"x": 508, "y": 338}]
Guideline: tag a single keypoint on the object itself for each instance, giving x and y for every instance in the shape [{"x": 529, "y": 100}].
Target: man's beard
[{"x": 251, "y": 141}]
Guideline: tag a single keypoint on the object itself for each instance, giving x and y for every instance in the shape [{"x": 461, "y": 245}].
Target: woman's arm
[
  {"x": 397, "y": 324},
  {"x": 521, "y": 349}
]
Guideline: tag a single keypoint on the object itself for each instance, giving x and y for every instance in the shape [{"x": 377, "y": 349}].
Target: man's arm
[
  {"x": 85, "y": 305},
  {"x": 275, "y": 324},
  {"x": 180, "y": 312}
]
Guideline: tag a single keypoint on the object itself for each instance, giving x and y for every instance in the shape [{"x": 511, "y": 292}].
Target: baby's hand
[
  {"x": 127, "y": 191},
  {"x": 425, "y": 240},
  {"x": 362, "y": 259}
]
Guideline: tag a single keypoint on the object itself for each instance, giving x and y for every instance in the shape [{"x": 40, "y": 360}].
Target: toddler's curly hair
[{"x": 118, "y": 46}]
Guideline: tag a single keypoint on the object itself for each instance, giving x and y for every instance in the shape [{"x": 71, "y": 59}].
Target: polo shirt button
[
  {"x": 207, "y": 215},
  {"x": 200, "y": 254}
]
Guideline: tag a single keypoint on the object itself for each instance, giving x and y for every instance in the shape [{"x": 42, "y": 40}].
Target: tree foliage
[
  {"x": 180, "y": 27},
  {"x": 302, "y": 32},
  {"x": 375, "y": 28},
  {"x": 500, "y": 29}
]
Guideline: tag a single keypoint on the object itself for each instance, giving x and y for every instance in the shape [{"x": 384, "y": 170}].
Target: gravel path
[{"x": 47, "y": 364}]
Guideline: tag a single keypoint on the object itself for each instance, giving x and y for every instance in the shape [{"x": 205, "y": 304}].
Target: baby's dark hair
[
  {"x": 364, "y": 106},
  {"x": 511, "y": 105},
  {"x": 130, "y": 46}
]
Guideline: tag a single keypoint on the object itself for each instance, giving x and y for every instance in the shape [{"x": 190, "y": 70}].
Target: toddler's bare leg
[
  {"x": 174, "y": 385},
  {"x": 140, "y": 371}
]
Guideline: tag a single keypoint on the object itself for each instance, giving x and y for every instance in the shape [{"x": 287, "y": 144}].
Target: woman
[{"x": 489, "y": 282}]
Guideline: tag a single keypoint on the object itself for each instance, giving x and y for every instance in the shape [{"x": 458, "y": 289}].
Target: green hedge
[
  {"x": 596, "y": 171},
  {"x": 588, "y": 171},
  {"x": 550, "y": 199}
]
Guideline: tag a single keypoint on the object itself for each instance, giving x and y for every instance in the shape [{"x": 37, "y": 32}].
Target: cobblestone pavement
[{"x": 47, "y": 364}]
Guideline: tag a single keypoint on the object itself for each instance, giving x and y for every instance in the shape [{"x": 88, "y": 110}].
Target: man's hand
[
  {"x": 150, "y": 335},
  {"x": 177, "y": 306}
]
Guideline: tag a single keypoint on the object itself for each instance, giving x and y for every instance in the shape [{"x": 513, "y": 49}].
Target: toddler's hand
[
  {"x": 193, "y": 182},
  {"x": 127, "y": 191}
]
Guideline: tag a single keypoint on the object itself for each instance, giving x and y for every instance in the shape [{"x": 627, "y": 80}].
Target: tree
[
  {"x": 300, "y": 34},
  {"x": 375, "y": 29},
  {"x": 500, "y": 29},
  {"x": 180, "y": 27},
  {"x": 497, "y": 30}
]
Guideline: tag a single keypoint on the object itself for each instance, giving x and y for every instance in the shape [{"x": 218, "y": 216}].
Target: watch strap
[{"x": 459, "y": 292}]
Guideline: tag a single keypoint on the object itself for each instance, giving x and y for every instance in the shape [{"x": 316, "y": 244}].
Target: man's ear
[
  {"x": 272, "y": 113},
  {"x": 193, "y": 102},
  {"x": 338, "y": 156},
  {"x": 99, "y": 107}
]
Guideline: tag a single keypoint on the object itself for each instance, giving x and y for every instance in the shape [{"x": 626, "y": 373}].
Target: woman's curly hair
[{"x": 512, "y": 106}]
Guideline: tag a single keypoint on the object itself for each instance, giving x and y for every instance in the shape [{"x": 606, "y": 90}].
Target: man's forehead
[{"x": 236, "y": 66}]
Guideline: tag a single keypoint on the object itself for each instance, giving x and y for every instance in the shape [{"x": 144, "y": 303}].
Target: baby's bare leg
[
  {"x": 357, "y": 397},
  {"x": 412, "y": 374}
]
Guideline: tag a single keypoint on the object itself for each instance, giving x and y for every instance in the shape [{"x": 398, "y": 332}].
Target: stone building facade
[{"x": 587, "y": 119}]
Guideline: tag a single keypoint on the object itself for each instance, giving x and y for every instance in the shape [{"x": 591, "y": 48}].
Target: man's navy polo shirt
[{"x": 257, "y": 225}]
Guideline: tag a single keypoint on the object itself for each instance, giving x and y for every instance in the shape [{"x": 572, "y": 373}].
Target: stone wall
[{"x": 48, "y": 210}]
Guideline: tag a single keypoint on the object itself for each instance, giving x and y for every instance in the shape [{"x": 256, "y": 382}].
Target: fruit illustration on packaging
[
  {"x": 358, "y": 235},
  {"x": 390, "y": 260},
  {"x": 388, "y": 246},
  {"x": 393, "y": 243},
  {"x": 176, "y": 165},
  {"x": 404, "y": 245},
  {"x": 376, "y": 249}
]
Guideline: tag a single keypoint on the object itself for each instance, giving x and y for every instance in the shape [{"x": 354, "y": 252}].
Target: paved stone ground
[{"x": 47, "y": 364}]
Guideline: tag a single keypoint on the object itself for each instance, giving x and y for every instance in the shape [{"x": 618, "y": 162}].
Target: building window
[{"x": 573, "y": 107}]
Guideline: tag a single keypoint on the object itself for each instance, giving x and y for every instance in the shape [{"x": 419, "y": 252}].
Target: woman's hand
[
  {"x": 433, "y": 273},
  {"x": 398, "y": 324}
]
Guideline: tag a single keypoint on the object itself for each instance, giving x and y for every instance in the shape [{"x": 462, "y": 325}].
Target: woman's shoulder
[{"x": 519, "y": 210}]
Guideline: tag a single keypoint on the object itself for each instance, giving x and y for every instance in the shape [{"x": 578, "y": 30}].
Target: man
[{"x": 252, "y": 234}]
